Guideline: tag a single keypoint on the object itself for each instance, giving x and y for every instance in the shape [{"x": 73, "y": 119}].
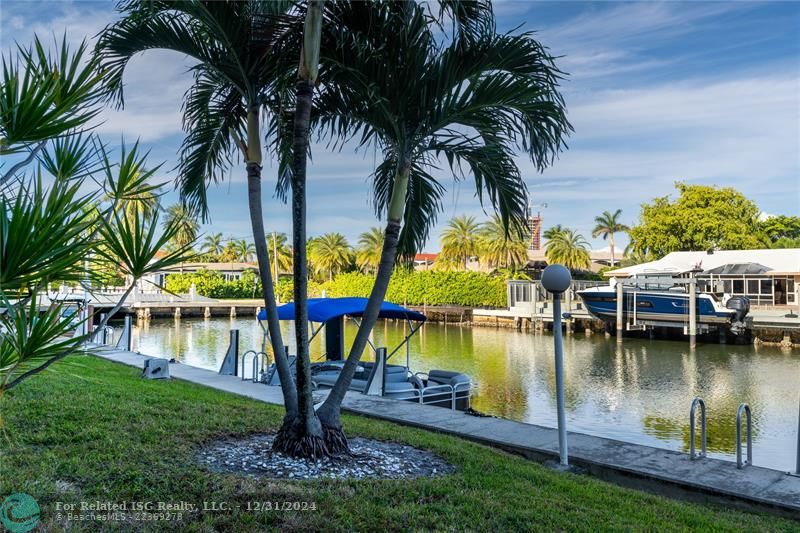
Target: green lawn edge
[{"x": 92, "y": 430}]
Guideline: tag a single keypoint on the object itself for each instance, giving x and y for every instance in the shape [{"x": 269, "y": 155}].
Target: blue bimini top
[{"x": 325, "y": 309}]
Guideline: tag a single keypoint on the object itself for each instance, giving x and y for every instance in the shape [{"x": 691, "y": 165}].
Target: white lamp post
[{"x": 556, "y": 279}]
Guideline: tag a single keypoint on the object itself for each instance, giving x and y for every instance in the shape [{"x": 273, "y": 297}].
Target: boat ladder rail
[
  {"x": 744, "y": 408},
  {"x": 692, "y": 418},
  {"x": 258, "y": 357}
]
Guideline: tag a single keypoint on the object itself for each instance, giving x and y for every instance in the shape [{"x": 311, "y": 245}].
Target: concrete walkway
[{"x": 661, "y": 471}]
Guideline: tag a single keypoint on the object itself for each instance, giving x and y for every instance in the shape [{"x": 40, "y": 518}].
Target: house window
[
  {"x": 752, "y": 286},
  {"x": 728, "y": 286},
  {"x": 766, "y": 286},
  {"x": 738, "y": 286}
]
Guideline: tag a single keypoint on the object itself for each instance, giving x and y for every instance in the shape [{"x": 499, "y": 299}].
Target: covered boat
[{"x": 380, "y": 378}]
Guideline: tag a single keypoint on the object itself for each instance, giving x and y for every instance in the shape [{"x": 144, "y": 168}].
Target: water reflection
[{"x": 639, "y": 391}]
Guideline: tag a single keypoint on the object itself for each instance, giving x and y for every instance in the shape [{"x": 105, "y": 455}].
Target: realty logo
[{"x": 19, "y": 513}]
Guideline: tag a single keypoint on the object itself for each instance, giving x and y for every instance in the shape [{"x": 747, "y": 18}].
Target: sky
[{"x": 658, "y": 92}]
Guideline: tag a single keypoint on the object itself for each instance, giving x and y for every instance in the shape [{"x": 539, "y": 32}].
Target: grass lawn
[{"x": 90, "y": 430}]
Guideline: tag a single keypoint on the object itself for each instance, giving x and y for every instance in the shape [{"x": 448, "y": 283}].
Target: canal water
[{"x": 638, "y": 392}]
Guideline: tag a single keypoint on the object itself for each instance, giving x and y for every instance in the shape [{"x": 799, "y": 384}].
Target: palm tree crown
[
  {"x": 607, "y": 225},
  {"x": 185, "y": 221},
  {"x": 330, "y": 253},
  {"x": 469, "y": 103},
  {"x": 460, "y": 240},
  {"x": 244, "y": 250},
  {"x": 370, "y": 246},
  {"x": 569, "y": 249},
  {"x": 501, "y": 248},
  {"x": 212, "y": 244},
  {"x": 282, "y": 253}
]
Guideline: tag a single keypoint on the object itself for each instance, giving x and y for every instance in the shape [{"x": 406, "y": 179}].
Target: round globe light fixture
[{"x": 556, "y": 278}]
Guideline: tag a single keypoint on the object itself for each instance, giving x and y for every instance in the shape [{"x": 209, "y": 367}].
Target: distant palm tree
[
  {"x": 370, "y": 246},
  {"x": 607, "y": 225},
  {"x": 569, "y": 249},
  {"x": 212, "y": 244},
  {"x": 244, "y": 250},
  {"x": 330, "y": 253},
  {"x": 282, "y": 252},
  {"x": 460, "y": 240},
  {"x": 501, "y": 248},
  {"x": 552, "y": 231},
  {"x": 186, "y": 222}
]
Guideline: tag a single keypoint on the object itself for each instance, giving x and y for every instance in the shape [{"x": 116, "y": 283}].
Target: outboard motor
[{"x": 741, "y": 306}]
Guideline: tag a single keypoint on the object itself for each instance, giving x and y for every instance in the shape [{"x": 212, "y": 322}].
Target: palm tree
[
  {"x": 501, "y": 248},
  {"x": 569, "y": 249},
  {"x": 370, "y": 245},
  {"x": 460, "y": 240},
  {"x": 552, "y": 231},
  {"x": 244, "y": 250},
  {"x": 330, "y": 253},
  {"x": 212, "y": 245},
  {"x": 232, "y": 44},
  {"x": 179, "y": 216},
  {"x": 607, "y": 225},
  {"x": 281, "y": 251},
  {"x": 467, "y": 101}
]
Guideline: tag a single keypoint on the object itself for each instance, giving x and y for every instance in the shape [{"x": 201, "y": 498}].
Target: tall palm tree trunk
[
  {"x": 330, "y": 411},
  {"x": 303, "y": 437},
  {"x": 268, "y": 289}
]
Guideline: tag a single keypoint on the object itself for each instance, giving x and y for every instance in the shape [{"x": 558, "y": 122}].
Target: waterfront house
[{"x": 768, "y": 277}]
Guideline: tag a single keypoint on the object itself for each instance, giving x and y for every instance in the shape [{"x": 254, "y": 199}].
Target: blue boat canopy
[{"x": 325, "y": 309}]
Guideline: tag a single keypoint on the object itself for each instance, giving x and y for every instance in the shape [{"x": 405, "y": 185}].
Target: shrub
[{"x": 471, "y": 289}]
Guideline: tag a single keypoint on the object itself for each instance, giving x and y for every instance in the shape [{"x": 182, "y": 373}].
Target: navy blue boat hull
[{"x": 660, "y": 306}]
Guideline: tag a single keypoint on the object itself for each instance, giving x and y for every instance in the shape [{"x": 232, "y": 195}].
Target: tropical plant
[
  {"x": 368, "y": 253},
  {"x": 552, "y": 231},
  {"x": 568, "y": 248},
  {"x": 238, "y": 53},
  {"x": 179, "y": 216},
  {"x": 212, "y": 245},
  {"x": 244, "y": 250},
  {"x": 701, "y": 218},
  {"x": 128, "y": 182},
  {"x": 607, "y": 225},
  {"x": 44, "y": 96},
  {"x": 460, "y": 241},
  {"x": 281, "y": 251},
  {"x": 467, "y": 100},
  {"x": 501, "y": 247},
  {"x": 330, "y": 253}
]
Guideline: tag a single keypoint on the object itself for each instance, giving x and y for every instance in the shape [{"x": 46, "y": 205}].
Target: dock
[{"x": 664, "y": 472}]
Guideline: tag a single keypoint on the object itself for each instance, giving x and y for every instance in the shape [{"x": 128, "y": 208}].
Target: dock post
[
  {"x": 177, "y": 313},
  {"x": 693, "y": 313},
  {"x": 233, "y": 311},
  {"x": 620, "y": 303},
  {"x": 568, "y": 302},
  {"x": 207, "y": 312}
]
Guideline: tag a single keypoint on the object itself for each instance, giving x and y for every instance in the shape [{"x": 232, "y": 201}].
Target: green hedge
[{"x": 471, "y": 289}]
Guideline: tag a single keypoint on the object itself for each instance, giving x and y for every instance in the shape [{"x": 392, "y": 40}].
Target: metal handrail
[
  {"x": 256, "y": 357},
  {"x": 739, "y": 463},
  {"x": 692, "y": 417}
]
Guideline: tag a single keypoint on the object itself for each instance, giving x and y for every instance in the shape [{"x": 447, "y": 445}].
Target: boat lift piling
[
  {"x": 693, "y": 313},
  {"x": 620, "y": 303}
]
